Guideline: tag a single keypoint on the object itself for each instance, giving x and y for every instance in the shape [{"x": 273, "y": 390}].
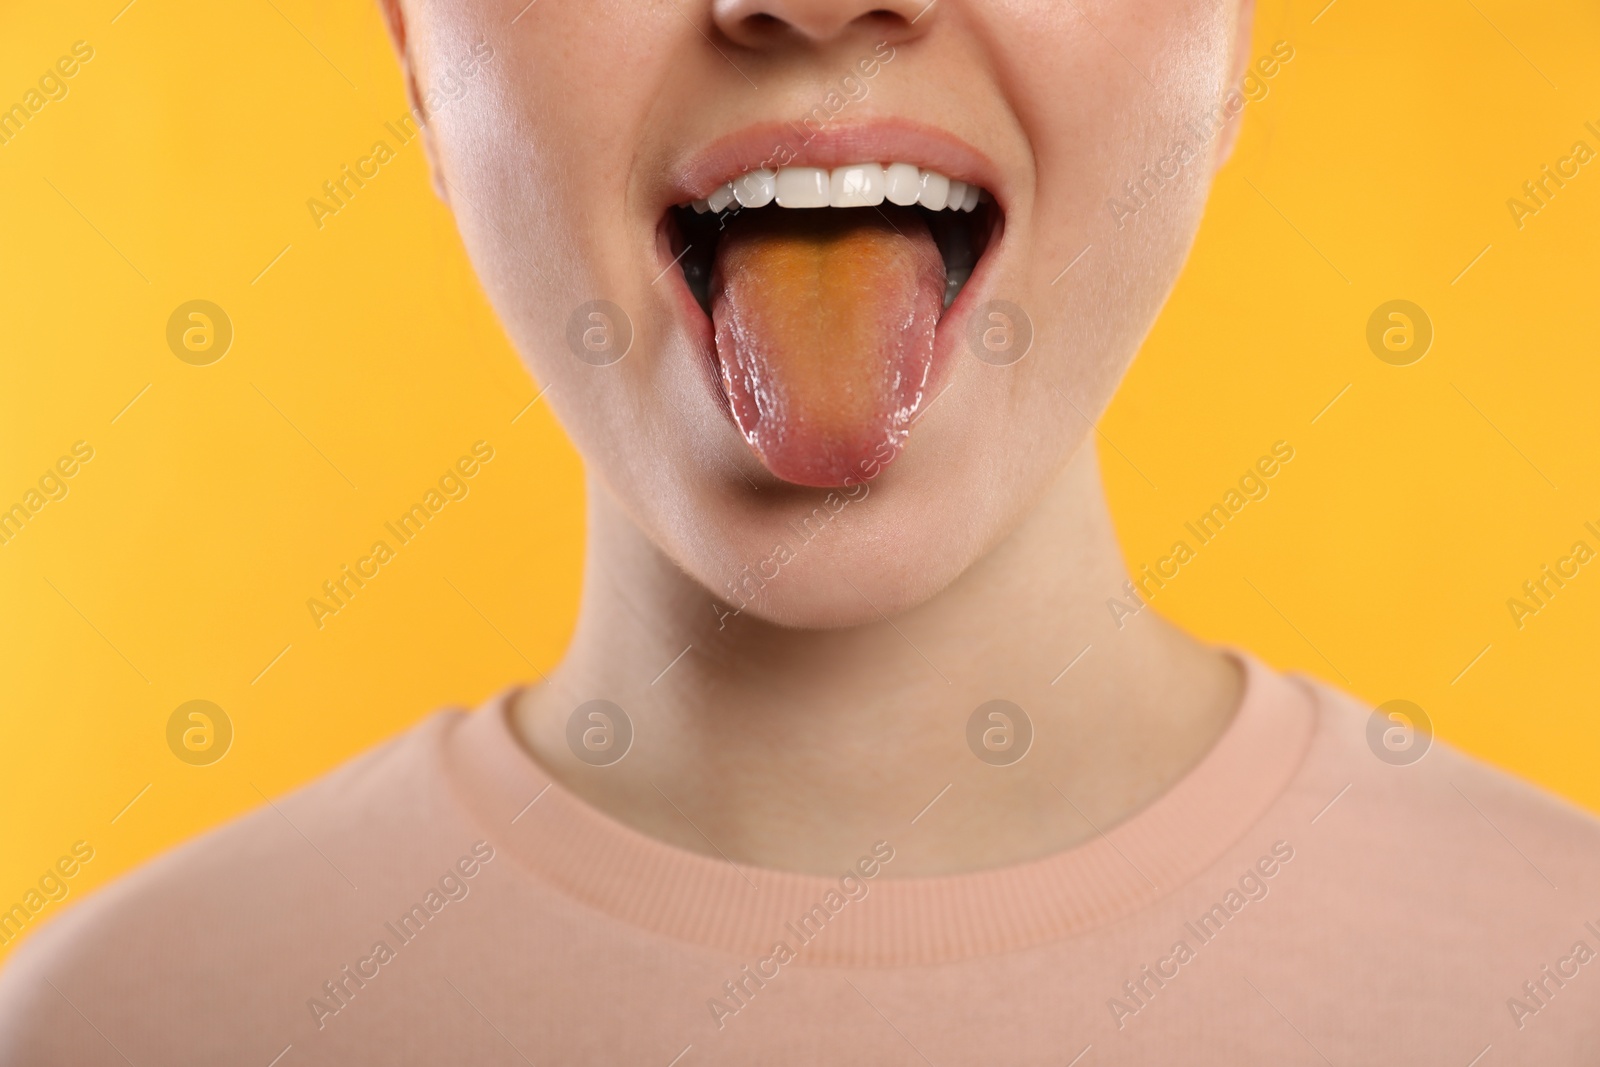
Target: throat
[{"x": 795, "y": 748}]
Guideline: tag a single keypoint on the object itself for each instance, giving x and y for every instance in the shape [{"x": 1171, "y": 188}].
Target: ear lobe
[
  {"x": 394, "y": 19},
  {"x": 1241, "y": 57}
]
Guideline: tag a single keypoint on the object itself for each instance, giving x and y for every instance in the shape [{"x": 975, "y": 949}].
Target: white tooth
[
  {"x": 701, "y": 207},
  {"x": 802, "y": 187},
  {"x": 954, "y": 281},
  {"x": 858, "y": 185},
  {"x": 755, "y": 188},
  {"x": 970, "y": 201},
  {"x": 935, "y": 190},
  {"x": 902, "y": 184},
  {"x": 721, "y": 198},
  {"x": 958, "y": 190}
]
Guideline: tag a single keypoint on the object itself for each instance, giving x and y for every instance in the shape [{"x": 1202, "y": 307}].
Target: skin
[{"x": 832, "y": 708}]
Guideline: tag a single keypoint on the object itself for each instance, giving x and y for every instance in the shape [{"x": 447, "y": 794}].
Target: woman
[{"x": 865, "y": 749}]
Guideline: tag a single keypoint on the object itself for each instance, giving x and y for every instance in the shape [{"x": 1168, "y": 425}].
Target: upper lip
[{"x": 782, "y": 144}]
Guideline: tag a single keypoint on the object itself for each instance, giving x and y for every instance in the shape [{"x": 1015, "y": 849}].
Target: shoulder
[
  {"x": 1429, "y": 791},
  {"x": 1439, "y": 889},
  {"x": 177, "y": 945}
]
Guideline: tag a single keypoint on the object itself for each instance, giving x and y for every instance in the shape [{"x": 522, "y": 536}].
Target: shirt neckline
[{"x": 608, "y": 866}]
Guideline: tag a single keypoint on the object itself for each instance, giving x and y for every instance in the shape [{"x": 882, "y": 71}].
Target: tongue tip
[{"x": 833, "y": 470}]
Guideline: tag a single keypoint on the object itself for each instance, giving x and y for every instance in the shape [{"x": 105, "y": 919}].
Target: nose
[{"x": 761, "y": 23}]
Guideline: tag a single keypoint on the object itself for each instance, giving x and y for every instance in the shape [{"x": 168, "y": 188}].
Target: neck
[{"x": 797, "y": 749}]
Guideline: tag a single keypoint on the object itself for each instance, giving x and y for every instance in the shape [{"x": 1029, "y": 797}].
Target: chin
[{"x": 805, "y": 558}]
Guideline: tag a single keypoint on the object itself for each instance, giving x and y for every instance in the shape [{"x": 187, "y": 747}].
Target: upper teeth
[{"x": 857, "y": 185}]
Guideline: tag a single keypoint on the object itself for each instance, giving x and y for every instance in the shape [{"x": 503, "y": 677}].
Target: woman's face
[{"x": 798, "y": 420}]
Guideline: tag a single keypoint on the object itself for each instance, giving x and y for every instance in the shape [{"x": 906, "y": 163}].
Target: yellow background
[{"x": 365, "y": 360}]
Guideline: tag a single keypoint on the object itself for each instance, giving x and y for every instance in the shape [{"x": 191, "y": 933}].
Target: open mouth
[{"x": 825, "y": 288}]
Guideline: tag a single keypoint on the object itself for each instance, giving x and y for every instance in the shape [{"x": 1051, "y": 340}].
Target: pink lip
[
  {"x": 890, "y": 140},
  {"x": 785, "y": 144}
]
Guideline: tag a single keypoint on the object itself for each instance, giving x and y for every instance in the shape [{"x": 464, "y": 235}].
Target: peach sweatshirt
[{"x": 1293, "y": 900}]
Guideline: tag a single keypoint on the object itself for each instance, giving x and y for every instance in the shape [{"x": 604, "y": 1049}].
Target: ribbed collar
[{"x": 636, "y": 879}]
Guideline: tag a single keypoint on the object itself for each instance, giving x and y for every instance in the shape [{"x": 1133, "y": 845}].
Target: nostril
[
  {"x": 758, "y": 30},
  {"x": 885, "y": 22},
  {"x": 767, "y": 23},
  {"x": 762, "y": 24}
]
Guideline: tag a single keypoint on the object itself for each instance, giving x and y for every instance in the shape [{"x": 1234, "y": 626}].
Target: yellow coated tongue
[{"x": 824, "y": 329}]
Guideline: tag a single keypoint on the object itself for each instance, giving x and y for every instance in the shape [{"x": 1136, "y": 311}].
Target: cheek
[
  {"x": 531, "y": 152},
  {"x": 1124, "y": 171},
  {"x": 534, "y": 159}
]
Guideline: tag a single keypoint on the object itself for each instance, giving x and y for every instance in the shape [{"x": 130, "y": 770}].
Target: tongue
[{"x": 825, "y": 323}]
